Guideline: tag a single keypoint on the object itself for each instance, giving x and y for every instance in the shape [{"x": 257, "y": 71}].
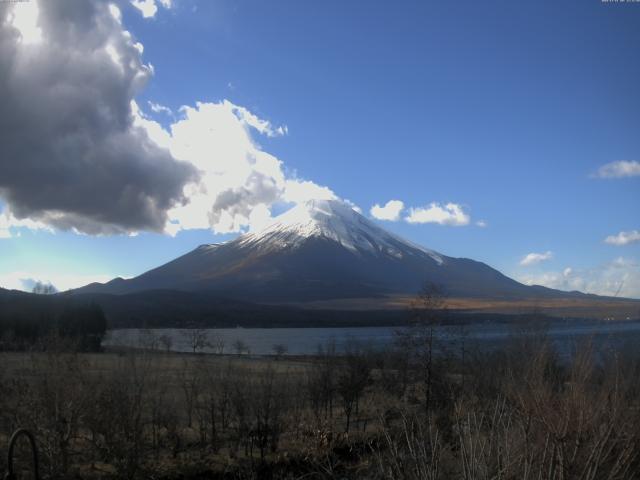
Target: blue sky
[{"x": 507, "y": 110}]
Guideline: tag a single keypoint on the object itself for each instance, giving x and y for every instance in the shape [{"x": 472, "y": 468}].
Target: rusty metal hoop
[{"x": 12, "y": 443}]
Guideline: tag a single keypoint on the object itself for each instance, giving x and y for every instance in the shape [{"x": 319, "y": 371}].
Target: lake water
[{"x": 305, "y": 341}]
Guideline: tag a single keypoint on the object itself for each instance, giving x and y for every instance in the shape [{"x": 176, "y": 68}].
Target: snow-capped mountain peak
[
  {"x": 331, "y": 220},
  {"x": 321, "y": 250}
]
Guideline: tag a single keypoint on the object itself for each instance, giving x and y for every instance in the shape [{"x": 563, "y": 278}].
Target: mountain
[{"x": 322, "y": 250}]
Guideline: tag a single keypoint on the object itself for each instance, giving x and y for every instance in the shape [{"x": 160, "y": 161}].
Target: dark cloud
[
  {"x": 70, "y": 155},
  {"x": 258, "y": 189}
]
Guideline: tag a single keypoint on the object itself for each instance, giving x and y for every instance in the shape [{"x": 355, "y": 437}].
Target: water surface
[{"x": 305, "y": 341}]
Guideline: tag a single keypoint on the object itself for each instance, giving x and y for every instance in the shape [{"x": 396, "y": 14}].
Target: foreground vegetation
[
  {"x": 27, "y": 321},
  {"x": 410, "y": 412}
]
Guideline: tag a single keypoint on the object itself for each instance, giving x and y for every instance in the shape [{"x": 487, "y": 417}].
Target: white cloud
[
  {"x": 262, "y": 126},
  {"x": 24, "y": 18},
  {"x": 481, "y": 224},
  {"x": 622, "y": 262},
  {"x": 390, "y": 211},
  {"x": 157, "y": 108},
  {"x": 259, "y": 217},
  {"x": 115, "y": 12},
  {"x": 449, "y": 214},
  {"x": 236, "y": 175},
  {"x": 10, "y": 226},
  {"x": 534, "y": 258},
  {"x": 300, "y": 191},
  {"x": 24, "y": 280},
  {"x": 5, "y": 225},
  {"x": 619, "y": 169},
  {"x": 620, "y": 277},
  {"x": 149, "y": 8},
  {"x": 623, "y": 238}
]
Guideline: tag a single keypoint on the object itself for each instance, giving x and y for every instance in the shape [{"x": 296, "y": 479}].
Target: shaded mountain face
[{"x": 317, "y": 251}]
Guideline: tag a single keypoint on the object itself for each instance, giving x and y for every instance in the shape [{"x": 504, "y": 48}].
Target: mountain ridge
[{"x": 322, "y": 250}]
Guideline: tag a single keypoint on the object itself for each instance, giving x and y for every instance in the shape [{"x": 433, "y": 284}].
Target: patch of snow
[{"x": 336, "y": 221}]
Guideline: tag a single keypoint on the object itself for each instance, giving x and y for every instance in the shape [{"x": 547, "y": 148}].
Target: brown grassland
[
  {"x": 591, "y": 308},
  {"x": 411, "y": 412}
]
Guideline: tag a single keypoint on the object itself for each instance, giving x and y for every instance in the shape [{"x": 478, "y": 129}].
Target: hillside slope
[{"x": 323, "y": 250}]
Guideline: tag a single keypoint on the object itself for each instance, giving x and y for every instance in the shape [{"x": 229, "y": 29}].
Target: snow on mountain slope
[
  {"x": 331, "y": 220},
  {"x": 321, "y": 250}
]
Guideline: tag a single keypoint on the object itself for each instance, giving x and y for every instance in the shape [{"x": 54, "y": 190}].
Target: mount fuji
[{"x": 322, "y": 250}]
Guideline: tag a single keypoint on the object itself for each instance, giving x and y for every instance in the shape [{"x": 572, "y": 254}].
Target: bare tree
[
  {"x": 196, "y": 339},
  {"x": 218, "y": 343},
  {"x": 56, "y": 401},
  {"x": 353, "y": 377},
  {"x": 117, "y": 421},
  {"x": 240, "y": 347},
  {"x": 44, "y": 288},
  {"x": 393, "y": 367},
  {"x": 267, "y": 409},
  {"x": 213, "y": 402},
  {"x": 420, "y": 337},
  {"x": 166, "y": 341},
  {"x": 148, "y": 339},
  {"x": 321, "y": 382},
  {"x": 279, "y": 350}
]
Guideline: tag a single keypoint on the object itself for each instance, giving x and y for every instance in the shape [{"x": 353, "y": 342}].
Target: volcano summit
[{"x": 323, "y": 250}]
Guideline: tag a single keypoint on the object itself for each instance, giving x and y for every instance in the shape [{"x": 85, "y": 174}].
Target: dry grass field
[
  {"x": 591, "y": 308},
  {"x": 405, "y": 413}
]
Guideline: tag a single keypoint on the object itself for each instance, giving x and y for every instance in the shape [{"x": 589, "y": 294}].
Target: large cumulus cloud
[
  {"x": 77, "y": 152},
  {"x": 70, "y": 154},
  {"x": 239, "y": 182},
  {"x": 236, "y": 175}
]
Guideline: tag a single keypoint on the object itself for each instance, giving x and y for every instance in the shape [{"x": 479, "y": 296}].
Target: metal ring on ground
[{"x": 12, "y": 443}]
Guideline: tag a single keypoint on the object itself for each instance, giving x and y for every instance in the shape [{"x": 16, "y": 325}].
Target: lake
[{"x": 305, "y": 341}]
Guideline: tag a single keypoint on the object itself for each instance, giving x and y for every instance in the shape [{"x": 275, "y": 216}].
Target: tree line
[{"x": 27, "y": 321}]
